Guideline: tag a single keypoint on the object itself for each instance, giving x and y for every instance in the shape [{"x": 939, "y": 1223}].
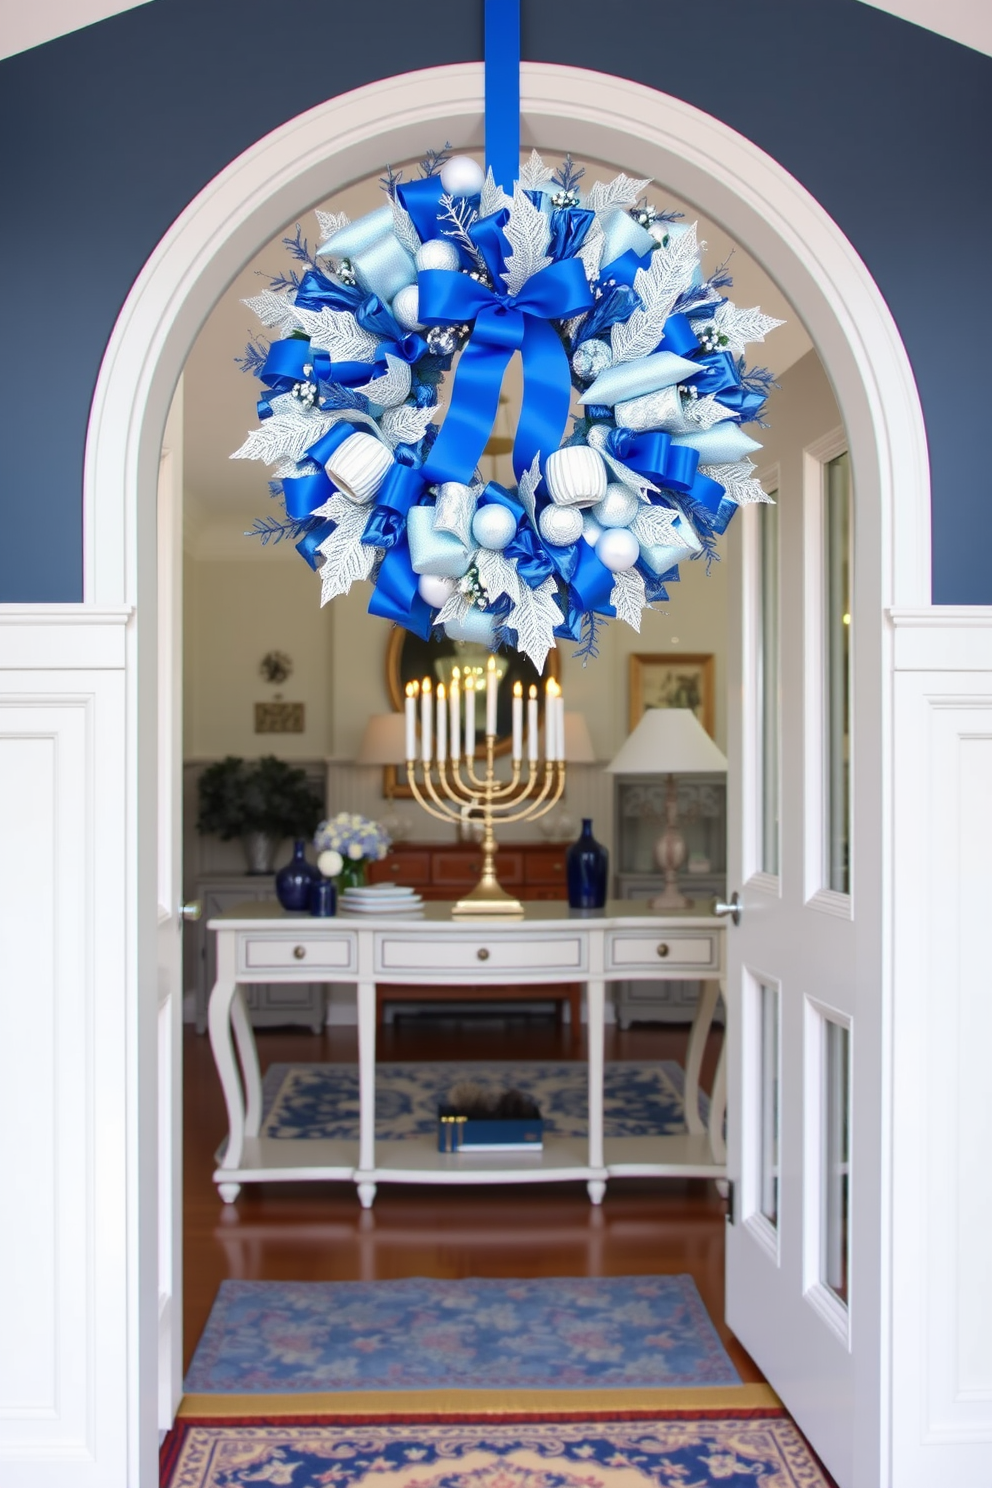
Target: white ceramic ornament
[
  {"x": 406, "y": 308},
  {"x": 461, "y": 176},
  {"x": 493, "y": 526},
  {"x": 438, "y": 253},
  {"x": 617, "y": 549},
  {"x": 618, "y": 507},
  {"x": 575, "y": 476},
  {"x": 435, "y": 590},
  {"x": 560, "y": 525},
  {"x": 358, "y": 466}
]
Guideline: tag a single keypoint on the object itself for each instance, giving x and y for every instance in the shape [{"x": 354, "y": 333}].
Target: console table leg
[
  {"x": 366, "y": 1091},
  {"x": 244, "y": 1037},
  {"x": 366, "y": 1195},
  {"x": 701, "y": 1024},
  {"x": 596, "y": 1189},
  {"x": 718, "y": 1105},
  {"x": 595, "y": 1013},
  {"x": 219, "y": 1024},
  {"x": 229, "y": 1191}
]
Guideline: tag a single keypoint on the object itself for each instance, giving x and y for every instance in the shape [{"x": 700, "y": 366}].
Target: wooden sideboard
[{"x": 446, "y": 870}]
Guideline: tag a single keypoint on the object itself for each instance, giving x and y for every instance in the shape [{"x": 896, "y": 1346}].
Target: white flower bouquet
[{"x": 349, "y": 836}]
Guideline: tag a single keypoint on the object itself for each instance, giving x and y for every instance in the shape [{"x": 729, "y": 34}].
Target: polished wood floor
[{"x": 281, "y": 1231}]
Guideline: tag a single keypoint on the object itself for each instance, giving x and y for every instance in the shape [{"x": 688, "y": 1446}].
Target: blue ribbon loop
[
  {"x": 311, "y": 541},
  {"x": 402, "y": 488},
  {"x": 672, "y": 466}
]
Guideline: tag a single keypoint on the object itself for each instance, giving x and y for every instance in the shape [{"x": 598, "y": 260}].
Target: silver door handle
[
  {"x": 733, "y": 909},
  {"x": 191, "y": 911}
]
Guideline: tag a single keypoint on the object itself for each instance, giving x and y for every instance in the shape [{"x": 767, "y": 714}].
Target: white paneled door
[{"x": 802, "y": 1268}]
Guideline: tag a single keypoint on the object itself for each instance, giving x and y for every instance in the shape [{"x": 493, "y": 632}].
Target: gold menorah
[{"x": 451, "y": 787}]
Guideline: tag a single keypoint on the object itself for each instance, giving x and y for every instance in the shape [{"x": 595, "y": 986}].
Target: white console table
[{"x": 549, "y": 944}]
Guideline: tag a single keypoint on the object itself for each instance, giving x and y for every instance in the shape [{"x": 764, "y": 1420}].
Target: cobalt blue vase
[
  {"x": 293, "y": 883},
  {"x": 587, "y": 866}
]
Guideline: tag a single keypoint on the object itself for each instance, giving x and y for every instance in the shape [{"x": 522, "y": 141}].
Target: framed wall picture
[{"x": 678, "y": 680}]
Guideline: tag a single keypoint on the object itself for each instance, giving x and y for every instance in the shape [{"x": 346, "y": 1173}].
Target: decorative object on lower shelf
[
  {"x": 296, "y": 878},
  {"x": 587, "y": 865},
  {"x": 481, "y": 1120}
]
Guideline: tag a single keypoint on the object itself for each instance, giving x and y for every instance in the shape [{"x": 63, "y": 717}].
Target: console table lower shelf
[{"x": 549, "y": 946}]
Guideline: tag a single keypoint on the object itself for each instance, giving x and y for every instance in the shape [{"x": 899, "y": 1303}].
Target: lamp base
[{"x": 671, "y": 897}]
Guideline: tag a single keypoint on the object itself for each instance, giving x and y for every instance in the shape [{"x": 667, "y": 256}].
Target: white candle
[
  {"x": 442, "y": 724},
  {"x": 532, "y": 740},
  {"x": 454, "y": 703},
  {"x": 550, "y": 720},
  {"x": 518, "y": 722},
  {"x": 492, "y": 687},
  {"x": 412, "y": 688},
  {"x": 560, "y": 725},
  {"x": 426, "y": 706},
  {"x": 470, "y": 717}
]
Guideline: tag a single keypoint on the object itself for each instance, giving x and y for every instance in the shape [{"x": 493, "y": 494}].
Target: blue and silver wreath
[{"x": 606, "y": 302}]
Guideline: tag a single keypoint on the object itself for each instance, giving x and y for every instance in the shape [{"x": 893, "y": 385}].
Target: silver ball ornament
[
  {"x": 617, "y": 549},
  {"x": 461, "y": 176},
  {"x": 493, "y": 526},
  {"x": 438, "y": 253},
  {"x": 434, "y": 590},
  {"x": 560, "y": 525},
  {"x": 406, "y": 307},
  {"x": 442, "y": 340},
  {"x": 591, "y": 358},
  {"x": 618, "y": 507}
]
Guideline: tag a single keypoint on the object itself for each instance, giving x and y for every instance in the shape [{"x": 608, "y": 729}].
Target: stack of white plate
[{"x": 384, "y": 898}]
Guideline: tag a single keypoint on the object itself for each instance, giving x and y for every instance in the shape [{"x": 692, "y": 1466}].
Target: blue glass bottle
[
  {"x": 293, "y": 882},
  {"x": 587, "y": 865}
]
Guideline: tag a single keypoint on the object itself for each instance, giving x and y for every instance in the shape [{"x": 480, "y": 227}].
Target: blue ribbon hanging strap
[{"x": 503, "y": 90}]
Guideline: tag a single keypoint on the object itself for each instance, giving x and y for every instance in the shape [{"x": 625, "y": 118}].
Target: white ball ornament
[
  {"x": 617, "y": 549},
  {"x": 493, "y": 526},
  {"x": 461, "y": 176},
  {"x": 406, "y": 308},
  {"x": 438, "y": 253},
  {"x": 618, "y": 507},
  {"x": 434, "y": 590},
  {"x": 560, "y": 525}
]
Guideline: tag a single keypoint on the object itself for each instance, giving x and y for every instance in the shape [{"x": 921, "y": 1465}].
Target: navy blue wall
[{"x": 109, "y": 132}]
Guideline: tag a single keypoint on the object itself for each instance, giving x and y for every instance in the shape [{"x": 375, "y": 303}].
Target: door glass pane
[
  {"x": 836, "y": 1160},
  {"x": 838, "y": 667},
  {"x": 768, "y": 683},
  {"x": 768, "y": 1155}
]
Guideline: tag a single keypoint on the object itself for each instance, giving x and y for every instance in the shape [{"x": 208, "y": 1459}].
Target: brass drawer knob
[
  {"x": 299, "y": 952},
  {"x": 663, "y": 950},
  {"x": 482, "y": 953}
]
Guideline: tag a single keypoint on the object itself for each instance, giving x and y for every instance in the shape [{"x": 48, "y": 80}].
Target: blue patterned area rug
[
  {"x": 641, "y": 1098},
  {"x": 698, "y": 1450},
  {"x": 556, "y": 1333}
]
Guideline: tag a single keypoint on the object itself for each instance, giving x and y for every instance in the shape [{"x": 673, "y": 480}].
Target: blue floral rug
[
  {"x": 732, "y": 1451},
  {"x": 563, "y": 1333},
  {"x": 641, "y": 1098}
]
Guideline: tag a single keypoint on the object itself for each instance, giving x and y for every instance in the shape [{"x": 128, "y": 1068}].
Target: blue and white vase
[
  {"x": 587, "y": 868},
  {"x": 294, "y": 881}
]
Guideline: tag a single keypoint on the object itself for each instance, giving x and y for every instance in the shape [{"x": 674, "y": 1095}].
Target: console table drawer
[
  {"x": 272, "y": 953},
  {"x": 678, "y": 950},
  {"x": 489, "y": 957}
]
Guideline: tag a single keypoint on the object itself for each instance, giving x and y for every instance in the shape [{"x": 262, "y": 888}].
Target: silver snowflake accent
[
  {"x": 528, "y": 233},
  {"x": 403, "y": 229},
  {"x": 405, "y": 425},
  {"x": 628, "y": 597},
  {"x": 346, "y": 557},
  {"x": 653, "y": 527},
  {"x": 275, "y": 310},
  {"x": 597, "y": 439},
  {"x": 492, "y": 197},
  {"x": 498, "y": 574},
  {"x": 338, "y": 333},
  {"x": 534, "y": 618},
  {"x": 737, "y": 482},
  {"x": 622, "y": 191},
  {"x": 330, "y": 223},
  {"x": 534, "y": 174},
  {"x": 658, "y": 287},
  {"x": 741, "y": 326},
  {"x": 454, "y": 511},
  {"x": 529, "y": 482},
  {"x": 394, "y": 385},
  {"x": 286, "y": 435}
]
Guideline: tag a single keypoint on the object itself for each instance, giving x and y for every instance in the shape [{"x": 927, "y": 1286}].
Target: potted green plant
[{"x": 261, "y": 801}]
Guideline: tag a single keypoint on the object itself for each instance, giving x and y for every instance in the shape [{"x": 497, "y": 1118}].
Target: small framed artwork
[{"x": 676, "y": 681}]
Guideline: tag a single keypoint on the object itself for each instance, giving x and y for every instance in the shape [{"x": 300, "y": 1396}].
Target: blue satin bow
[
  {"x": 503, "y": 324},
  {"x": 672, "y": 466}
]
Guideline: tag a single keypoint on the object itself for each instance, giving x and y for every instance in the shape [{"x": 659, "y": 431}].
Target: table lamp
[
  {"x": 578, "y": 743},
  {"x": 668, "y": 741},
  {"x": 384, "y": 743}
]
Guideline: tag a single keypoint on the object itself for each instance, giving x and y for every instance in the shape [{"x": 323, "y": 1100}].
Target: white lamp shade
[
  {"x": 578, "y": 744},
  {"x": 668, "y": 741},
  {"x": 384, "y": 740}
]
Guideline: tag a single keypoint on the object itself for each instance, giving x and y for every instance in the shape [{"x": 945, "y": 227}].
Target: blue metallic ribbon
[
  {"x": 504, "y": 324},
  {"x": 395, "y": 595},
  {"x": 502, "y": 53},
  {"x": 303, "y": 494},
  {"x": 678, "y": 336},
  {"x": 671, "y": 465},
  {"x": 422, "y": 200},
  {"x": 317, "y": 292},
  {"x": 401, "y": 488},
  {"x": 311, "y": 541},
  {"x": 592, "y": 583}
]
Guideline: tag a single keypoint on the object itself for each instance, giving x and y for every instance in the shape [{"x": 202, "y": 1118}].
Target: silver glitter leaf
[
  {"x": 529, "y": 482},
  {"x": 597, "y": 439},
  {"x": 737, "y": 482},
  {"x": 628, "y": 597},
  {"x": 405, "y": 425},
  {"x": 705, "y": 412},
  {"x": 590, "y": 255},
  {"x": 286, "y": 435},
  {"x": 534, "y": 618},
  {"x": 292, "y": 469},
  {"x": 534, "y": 174},
  {"x": 393, "y": 386},
  {"x": 275, "y": 310},
  {"x": 741, "y": 326},
  {"x": 498, "y": 575},
  {"x": 454, "y": 511},
  {"x": 346, "y": 557},
  {"x": 528, "y": 233},
  {"x": 653, "y": 527},
  {"x": 403, "y": 229},
  {"x": 455, "y": 607},
  {"x": 658, "y": 287},
  {"x": 493, "y": 198},
  {"x": 330, "y": 223},
  {"x": 623, "y": 191},
  {"x": 338, "y": 333}
]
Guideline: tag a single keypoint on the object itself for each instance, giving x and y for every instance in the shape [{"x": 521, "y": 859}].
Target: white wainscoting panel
[
  {"x": 942, "y": 1038},
  {"x": 63, "y": 1240}
]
